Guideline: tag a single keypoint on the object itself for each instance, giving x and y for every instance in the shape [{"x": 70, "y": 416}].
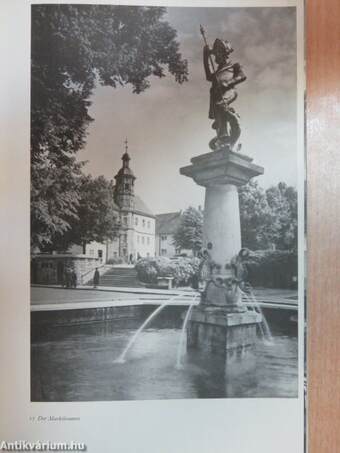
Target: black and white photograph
[{"x": 165, "y": 203}]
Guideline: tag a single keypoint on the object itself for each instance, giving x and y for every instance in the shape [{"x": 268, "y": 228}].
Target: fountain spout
[
  {"x": 264, "y": 326},
  {"x": 182, "y": 338},
  {"x": 121, "y": 358}
]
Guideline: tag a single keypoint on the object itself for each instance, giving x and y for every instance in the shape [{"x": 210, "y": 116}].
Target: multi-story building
[
  {"x": 136, "y": 235},
  {"x": 166, "y": 226}
]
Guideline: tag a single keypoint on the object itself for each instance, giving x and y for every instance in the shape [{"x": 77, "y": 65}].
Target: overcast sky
[{"x": 168, "y": 124}]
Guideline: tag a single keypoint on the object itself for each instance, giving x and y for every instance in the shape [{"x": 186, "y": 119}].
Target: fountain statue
[
  {"x": 222, "y": 93},
  {"x": 221, "y": 322}
]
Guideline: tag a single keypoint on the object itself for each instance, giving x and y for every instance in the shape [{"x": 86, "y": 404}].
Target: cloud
[{"x": 168, "y": 124}]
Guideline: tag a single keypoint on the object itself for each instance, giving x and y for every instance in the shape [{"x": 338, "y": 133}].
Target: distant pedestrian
[
  {"x": 73, "y": 279},
  {"x": 96, "y": 278},
  {"x": 63, "y": 281},
  {"x": 131, "y": 258},
  {"x": 195, "y": 281},
  {"x": 67, "y": 278}
]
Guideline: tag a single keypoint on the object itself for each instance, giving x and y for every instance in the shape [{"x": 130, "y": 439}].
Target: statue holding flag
[{"x": 224, "y": 78}]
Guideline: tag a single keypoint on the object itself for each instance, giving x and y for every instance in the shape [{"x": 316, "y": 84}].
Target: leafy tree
[
  {"x": 256, "y": 216},
  {"x": 54, "y": 198},
  {"x": 282, "y": 201},
  {"x": 73, "y": 48},
  {"x": 189, "y": 232},
  {"x": 97, "y": 215},
  {"x": 268, "y": 218}
]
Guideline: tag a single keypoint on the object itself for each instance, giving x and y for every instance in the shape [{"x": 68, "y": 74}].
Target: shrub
[
  {"x": 272, "y": 268},
  {"x": 146, "y": 272},
  {"x": 181, "y": 269},
  {"x": 267, "y": 268},
  {"x": 115, "y": 261}
]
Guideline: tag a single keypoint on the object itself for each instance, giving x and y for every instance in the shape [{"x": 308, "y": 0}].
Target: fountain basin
[
  {"x": 76, "y": 363},
  {"x": 221, "y": 330}
]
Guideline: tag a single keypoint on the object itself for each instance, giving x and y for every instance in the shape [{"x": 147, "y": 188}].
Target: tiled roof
[
  {"x": 142, "y": 208},
  {"x": 167, "y": 223},
  {"x": 115, "y": 207}
]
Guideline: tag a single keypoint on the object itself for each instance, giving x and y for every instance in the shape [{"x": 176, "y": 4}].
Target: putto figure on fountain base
[{"x": 221, "y": 323}]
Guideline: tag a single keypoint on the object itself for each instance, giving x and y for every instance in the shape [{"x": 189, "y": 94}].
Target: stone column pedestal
[
  {"x": 221, "y": 173},
  {"x": 221, "y": 323},
  {"x": 218, "y": 331},
  {"x": 220, "y": 222}
]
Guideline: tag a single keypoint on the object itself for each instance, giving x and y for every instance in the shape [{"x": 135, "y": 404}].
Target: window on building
[
  {"x": 143, "y": 239},
  {"x": 127, "y": 186},
  {"x": 143, "y": 222},
  {"x": 125, "y": 220},
  {"x": 164, "y": 237},
  {"x": 137, "y": 238},
  {"x": 148, "y": 241},
  {"x": 149, "y": 224},
  {"x": 136, "y": 221},
  {"x": 163, "y": 252},
  {"x": 100, "y": 254},
  {"x": 91, "y": 252}
]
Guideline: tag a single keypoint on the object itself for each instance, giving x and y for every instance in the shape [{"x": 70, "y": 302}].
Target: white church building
[{"x": 136, "y": 236}]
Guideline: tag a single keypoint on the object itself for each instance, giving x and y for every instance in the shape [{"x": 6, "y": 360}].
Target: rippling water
[{"x": 76, "y": 363}]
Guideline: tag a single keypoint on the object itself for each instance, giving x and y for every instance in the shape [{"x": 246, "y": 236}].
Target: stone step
[
  {"x": 119, "y": 272},
  {"x": 120, "y": 275},
  {"x": 123, "y": 276},
  {"x": 118, "y": 282}
]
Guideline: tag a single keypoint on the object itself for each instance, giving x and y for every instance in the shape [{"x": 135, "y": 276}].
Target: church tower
[{"x": 124, "y": 195}]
